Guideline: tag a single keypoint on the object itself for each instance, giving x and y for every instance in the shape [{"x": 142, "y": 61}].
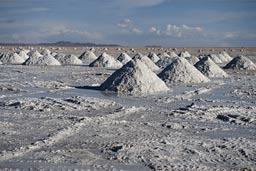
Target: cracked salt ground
[{"x": 57, "y": 124}]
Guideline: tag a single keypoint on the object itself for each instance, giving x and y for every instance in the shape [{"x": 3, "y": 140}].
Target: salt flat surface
[{"x": 55, "y": 118}]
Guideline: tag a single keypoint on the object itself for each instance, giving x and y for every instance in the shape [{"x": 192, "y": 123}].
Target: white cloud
[
  {"x": 125, "y": 23},
  {"x": 137, "y": 3},
  {"x": 30, "y": 10},
  {"x": 42, "y": 34},
  {"x": 181, "y": 31},
  {"x": 155, "y": 30},
  {"x": 137, "y": 31}
]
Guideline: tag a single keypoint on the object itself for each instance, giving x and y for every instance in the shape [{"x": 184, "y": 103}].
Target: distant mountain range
[{"x": 60, "y": 43}]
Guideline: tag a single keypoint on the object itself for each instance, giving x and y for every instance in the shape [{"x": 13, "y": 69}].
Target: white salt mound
[
  {"x": 153, "y": 57},
  {"x": 87, "y": 57},
  {"x": 227, "y": 56},
  {"x": 215, "y": 59},
  {"x": 134, "y": 78},
  {"x": 68, "y": 59},
  {"x": 124, "y": 58},
  {"x": 192, "y": 60},
  {"x": 209, "y": 68},
  {"x": 11, "y": 58},
  {"x": 45, "y": 60},
  {"x": 105, "y": 60},
  {"x": 46, "y": 52},
  {"x": 241, "y": 62},
  {"x": 34, "y": 53},
  {"x": 23, "y": 54},
  {"x": 184, "y": 54},
  {"x": 163, "y": 55},
  {"x": 172, "y": 54},
  {"x": 164, "y": 62},
  {"x": 150, "y": 64},
  {"x": 181, "y": 71}
]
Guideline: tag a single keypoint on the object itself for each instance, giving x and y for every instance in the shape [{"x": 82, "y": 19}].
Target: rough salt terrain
[{"x": 54, "y": 118}]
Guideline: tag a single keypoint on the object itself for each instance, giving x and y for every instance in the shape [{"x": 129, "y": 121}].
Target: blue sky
[{"x": 130, "y": 22}]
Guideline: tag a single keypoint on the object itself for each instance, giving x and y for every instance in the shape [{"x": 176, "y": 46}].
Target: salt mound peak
[
  {"x": 23, "y": 54},
  {"x": 124, "y": 58},
  {"x": 163, "y": 55},
  {"x": 172, "y": 54},
  {"x": 11, "y": 58},
  {"x": 68, "y": 59},
  {"x": 87, "y": 56},
  {"x": 164, "y": 62},
  {"x": 46, "y": 52},
  {"x": 134, "y": 78},
  {"x": 153, "y": 57},
  {"x": 34, "y": 53},
  {"x": 184, "y": 54},
  {"x": 192, "y": 60},
  {"x": 215, "y": 59},
  {"x": 224, "y": 53},
  {"x": 181, "y": 71},
  {"x": 45, "y": 60},
  {"x": 105, "y": 60},
  {"x": 241, "y": 62},
  {"x": 209, "y": 68},
  {"x": 150, "y": 64}
]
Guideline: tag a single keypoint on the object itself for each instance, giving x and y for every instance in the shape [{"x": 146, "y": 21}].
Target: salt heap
[
  {"x": 180, "y": 70},
  {"x": 124, "y": 58},
  {"x": 45, "y": 60},
  {"x": 34, "y": 53},
  {"x": 163, "y": 55},
  {"x": 153, "y": 57},
  {"x": 146, "y": 61},
  {"x": 215, "y": 58},
  {"x": 224, "y": 56},
  {"x": 68, "y": 59},
  {"x": 23, "y": 54},
  {"x": 209, "y": 68},
  {"x": 241, "y": 62},
  {"x": 87, "y": 56},
  {"x": 164, "y": 62},
  {"x": 46, "y": 52},
  {"x": 184, "y": 54},
  {"x": 11, "y": 58},
  {"x": 105, "y": 60},
  {"x": 172, "y": 54},
  {"x": 134, "y": 78},
  {"x": 192, "y": 60}
]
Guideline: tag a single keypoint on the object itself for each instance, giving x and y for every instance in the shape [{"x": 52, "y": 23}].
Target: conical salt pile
[
  {"x": 209, "y": 68},
  {"x": 134, "y": 78},
  {"x": 172, "y": 54},
  {"x": 163, "y": 55},
  {"x": 164, "y": 62},
  {"x": 184, "y": 54},
  {"x": 227, "y": 56},
  {"x": 34, "y": 53},
  {"x": 124, "y": 58},
  {"x": 192, "y": 60},
  {"x": 87, "y": 57},
  {"x": 68, "y": 59},
  {"x": 215, "y": 59},
  {"x": 105, "y": 60},
  {"x": 11, "y": 58},
  {"x": 180, "y": 70},
  {"x": 153, "y": 57},
  {"x": 23, "y": 54},
  {"x": 241, "y": 62},
  {"x": 146, "y": 61},
  {"x": 45, "y": 60},
  {"x": 46, "y": 52}
]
